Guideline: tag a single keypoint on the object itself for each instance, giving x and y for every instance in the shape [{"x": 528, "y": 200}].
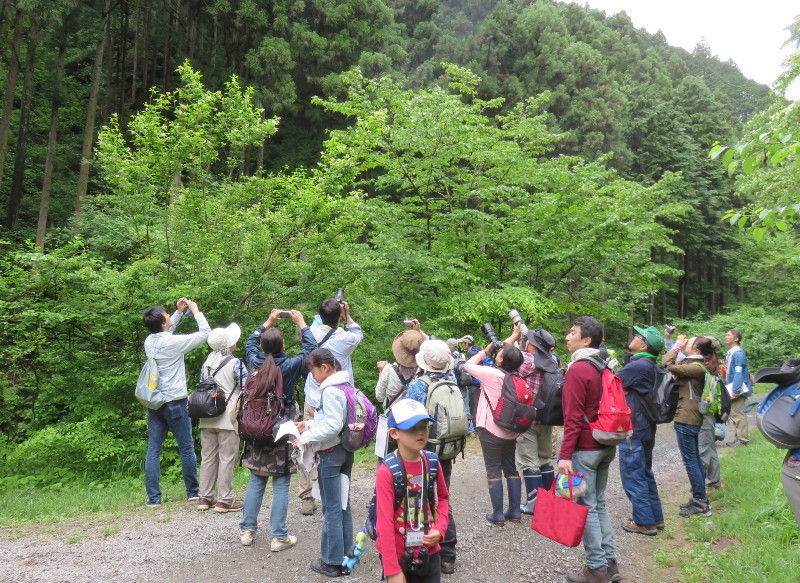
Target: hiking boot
[
  {"x": 613, "y": 571},
  {"x": 661, "y": 525},
  {"x": 225, "y": 507},
  {"x": 247, "y": 538},
  {"x": 589, "y": 575},
  {"x": 736, "y": 443},
  {"x": 647, "y": 529},
  {"x": 204, "y": 504},
  {"x": 448, "y": 568},
  {"x": 281, "y": 544},
  {"x": 308, "y": 507},
  {"x": 323, "y": 568},
  {"x": 697, "y": 508}
]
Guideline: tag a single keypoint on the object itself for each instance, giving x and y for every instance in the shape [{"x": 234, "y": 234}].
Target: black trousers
[
  {"x": 498, "y": 455},
  {"x": 434, "y": 574},
  {"x": 448, "y": 544}
]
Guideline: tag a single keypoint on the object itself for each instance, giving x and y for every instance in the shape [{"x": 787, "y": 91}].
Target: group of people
[{"x": 416, "y": 532}]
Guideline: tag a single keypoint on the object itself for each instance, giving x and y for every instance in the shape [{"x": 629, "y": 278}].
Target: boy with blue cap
[{"x": 411, "y": 526}]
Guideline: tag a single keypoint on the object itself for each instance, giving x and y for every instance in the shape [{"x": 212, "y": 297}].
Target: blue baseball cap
[{"x": 406, "y": 413}]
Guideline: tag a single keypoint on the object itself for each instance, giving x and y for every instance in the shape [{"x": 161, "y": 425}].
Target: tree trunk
[
  {"x": 44, "y": 204},
  {"x": 136, "y": 19},
  {"x": 6, "y": 18},
  {"x": 18, "y": 179},
  {"x": 145, "y": 53},
  {"x": 11, "y": 90},
  {"x": 88, "y": 129},
  {"x": 682, "y": 286}
]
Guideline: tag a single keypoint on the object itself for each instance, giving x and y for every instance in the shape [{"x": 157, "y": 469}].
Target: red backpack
[
  {"x": 613, "y": 424},
  {"x": 515, "y": 410},
  {"x": 262, "y": 408}
]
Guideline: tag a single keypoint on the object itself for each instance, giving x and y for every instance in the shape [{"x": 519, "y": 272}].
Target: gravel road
[{"x": 178, "y": 544}]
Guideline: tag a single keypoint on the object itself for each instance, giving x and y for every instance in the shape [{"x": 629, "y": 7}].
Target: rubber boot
[
  {"x": 533, "y": 479},
  {"x": 496, "y": 495},
  {"x": 548, "y": 475},
  {"x": 514, "y": 484}
]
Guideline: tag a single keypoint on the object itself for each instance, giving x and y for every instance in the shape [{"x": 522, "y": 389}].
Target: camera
[
  {"x": 419, "y": 565},
  {"x": 488, "y": 331},
  {"x": 284, "y": 314},
  {"x": 340, "y": 295},
  {"x": 408, "y": 322},
  {"x": 517, "y": 319},
  {"x": 669, "y": 328}
]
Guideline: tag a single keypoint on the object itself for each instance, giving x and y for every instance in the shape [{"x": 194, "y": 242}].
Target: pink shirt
[{"x": 491, "y": 386}]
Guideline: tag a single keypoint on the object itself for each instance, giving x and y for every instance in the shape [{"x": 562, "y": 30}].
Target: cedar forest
[{"x": 445, "y": 160}]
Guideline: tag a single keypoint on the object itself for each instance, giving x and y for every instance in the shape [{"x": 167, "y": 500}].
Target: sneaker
[
  {"x": 448, "y": 567},
  {"x": 697, "y": 508},
  {"x": 321, "y": 567},
  {"x": 204, "y": 504},
  {"x": 736, "y": 443},
  {"x": 646, "y": 529},
  {"x": 151, "y": 504},
  {"x": 308, "y": 507},
  {"x": 193, "y": 498},
  {"x": 613, "y": 571},
  {"x": 247, "y": 538},
  {"x": 225, "y": 507},
  {"x": 281, "y": 544}
]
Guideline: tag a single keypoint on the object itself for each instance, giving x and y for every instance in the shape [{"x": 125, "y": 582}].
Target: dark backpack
[
  {"x": 548, "y": 399},
  {"x": 659, "y": 405},
  {"x": 777, "y": 417},
  {"x": 262, "y": 410},
  {"x": 208, "y": 399},
  {"x": 514, "y": 411},
  {"x": 393, "y": 461},
  {"x": 463, "y": 378}
]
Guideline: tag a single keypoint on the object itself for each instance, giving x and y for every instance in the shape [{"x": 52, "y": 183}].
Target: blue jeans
[
  {"x": 172, "y": 416},
  {"x": 598, "y": 538},
  {"x": 337, "y": 525},
  {"x": 689, "y": 447},
  {"x": 636, "y": 471},
  {"x": 280, "y": 504}
]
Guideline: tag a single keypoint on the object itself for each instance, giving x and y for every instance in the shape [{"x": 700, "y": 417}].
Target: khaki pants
[
  {"x": 303, "y": 478},
  {"x": 219, "y": 449},
  {"x": 534, "y": 447},
  {"x": 739, "y": 419}
]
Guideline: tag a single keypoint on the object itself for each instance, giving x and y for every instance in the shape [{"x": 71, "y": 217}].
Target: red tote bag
[{"x": 559, "y": 519}]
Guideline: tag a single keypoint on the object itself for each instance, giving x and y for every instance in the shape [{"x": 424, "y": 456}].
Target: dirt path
[{"x": 177, "y": 544}]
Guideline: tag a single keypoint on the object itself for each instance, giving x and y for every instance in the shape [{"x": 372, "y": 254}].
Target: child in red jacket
[{"x": 409, "y": 533}]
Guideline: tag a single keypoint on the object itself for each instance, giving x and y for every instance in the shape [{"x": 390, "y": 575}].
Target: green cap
[{"x": 652, "y": 336}]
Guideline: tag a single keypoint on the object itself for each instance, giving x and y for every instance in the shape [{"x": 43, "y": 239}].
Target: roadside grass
[
  {"x": 51, "y": 499},
  {"x": 752, "y": 536}
]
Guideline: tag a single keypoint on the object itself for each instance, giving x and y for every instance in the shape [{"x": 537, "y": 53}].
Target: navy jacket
[
  {"x": 292, "y": 367},
  {"x": 638, "y": 378}
]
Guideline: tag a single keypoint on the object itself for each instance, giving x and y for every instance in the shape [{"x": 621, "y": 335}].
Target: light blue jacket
[
  {"x": 323, "y": 430},
  {"x": 738, "y": 371},
  {"x": 168, "y": 349}
]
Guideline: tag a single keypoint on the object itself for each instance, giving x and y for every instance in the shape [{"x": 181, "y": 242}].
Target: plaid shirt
[{"x": 532, "y": 375}]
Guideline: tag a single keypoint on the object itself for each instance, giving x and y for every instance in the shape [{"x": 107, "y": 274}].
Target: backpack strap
[
  {"x": 395, "y": 464},
  {"x": 222, "y": 364},
  {"x": 326, "y": 337}
]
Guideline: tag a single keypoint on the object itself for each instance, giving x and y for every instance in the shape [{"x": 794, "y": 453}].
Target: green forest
[{"x": 445, "y": 160}]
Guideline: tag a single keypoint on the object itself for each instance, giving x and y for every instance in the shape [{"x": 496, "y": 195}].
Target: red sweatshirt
[
  {"x": 391, "y": 542},
  {"x": 581, "y": 397}
]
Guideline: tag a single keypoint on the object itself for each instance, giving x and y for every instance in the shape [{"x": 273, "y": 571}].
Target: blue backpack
[
  {"x": 777, "y": 417},
  {"x": 395, "y": 465}
]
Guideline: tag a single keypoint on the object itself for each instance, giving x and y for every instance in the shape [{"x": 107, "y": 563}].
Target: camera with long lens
[
  {"x": 340, "y": 295},
  {"x": 488, "y": 331},
  {"x": 419, "y": 565},
  {"x": 517, "y": 319}
]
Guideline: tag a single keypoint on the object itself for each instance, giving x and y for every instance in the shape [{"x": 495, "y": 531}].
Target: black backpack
[
  {"x": 463, "y": 378},
  {"x": 548, "y": 399},
  {"x": 659, "y": 405},
  {"x": 395, "y": 465},
  {"x": 208, "y": 399}
]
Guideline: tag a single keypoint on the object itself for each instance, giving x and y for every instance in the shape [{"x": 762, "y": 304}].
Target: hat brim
[
  {"x": 777, "y": 375},
  {"x": 466, "y": 339},
  {"x": 404, "y": 355},
  {"x": 420, "y": 358},
  {"x": 411, "y": 422},
  {"x": 234, "y": 333}
]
